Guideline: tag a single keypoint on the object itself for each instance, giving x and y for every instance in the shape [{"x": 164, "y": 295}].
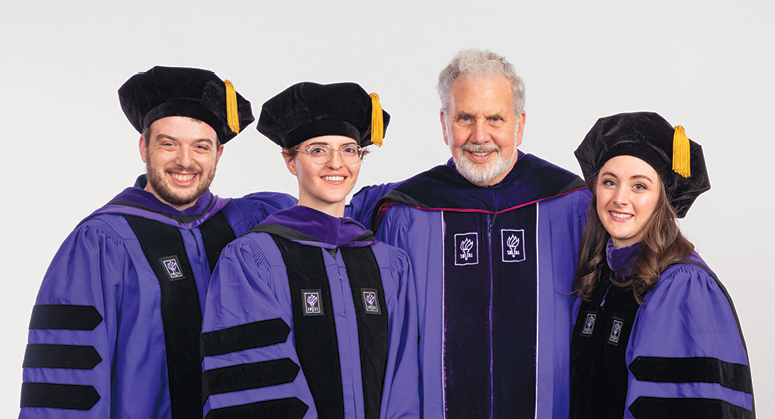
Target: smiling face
[
  {"x": 180, "y": 159},
  {"x": 324, "y": 187},
  {"x": 627, "y": 193},
  {"x": 481, "y": 129}
]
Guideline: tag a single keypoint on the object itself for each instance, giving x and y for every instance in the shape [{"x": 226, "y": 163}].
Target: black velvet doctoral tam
[
  {"x": 308, "y": 110},
  {"x": 175, "y": 91},
  {"x": 649, "y": 137}
]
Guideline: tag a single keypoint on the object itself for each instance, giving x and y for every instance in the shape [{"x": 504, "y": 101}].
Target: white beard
[{"x": 478, "y": 173}]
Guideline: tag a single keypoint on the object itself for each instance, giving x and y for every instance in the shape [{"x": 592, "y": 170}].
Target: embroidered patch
[
  {"x": 589, "y": 324},
  {"x": 370, "y": 301},
  {"x": 466, "y": 249},
  {"x": 172, "y": 267},
  {"x": 616, "y": 331},
  {"x": 513, "y": 245},
  {"x": 312, "y": 302}
]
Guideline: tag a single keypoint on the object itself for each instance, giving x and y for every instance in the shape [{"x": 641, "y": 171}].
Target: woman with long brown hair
[{"x": 656, "y": 333}]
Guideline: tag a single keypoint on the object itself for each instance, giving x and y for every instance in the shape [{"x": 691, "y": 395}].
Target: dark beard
[{"x": 157, "y": 180}]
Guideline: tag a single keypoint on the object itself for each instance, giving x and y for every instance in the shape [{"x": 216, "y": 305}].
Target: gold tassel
[
  {"x": 232, "y": 115},
  {"x": 376, "y": 120},
  {"x": 681, "y": 152}
]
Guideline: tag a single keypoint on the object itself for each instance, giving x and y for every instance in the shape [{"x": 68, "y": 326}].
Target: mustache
[
  {"x": 480, "y": 148},
  {"x": 180, "y": 169}
]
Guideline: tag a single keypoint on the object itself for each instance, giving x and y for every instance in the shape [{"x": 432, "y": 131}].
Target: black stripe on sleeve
[
  {"x": 41, "y": 355},
  {"x": 290, "y": 408},
  {"x": 59, "y": 396},
  {"x": 245, "y": 336},
  {"x": 686, "y": 408},
  {"x": 693, "y": 370},
  {"x": 249, "y": 376},
  {"x": 64, "y": 317}
]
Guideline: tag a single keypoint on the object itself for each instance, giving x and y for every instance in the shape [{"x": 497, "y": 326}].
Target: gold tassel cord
[
  {"x": 681, "y": 152},
  {"x": 376, "y": 120},
  {"x": 232, "y": 115}
]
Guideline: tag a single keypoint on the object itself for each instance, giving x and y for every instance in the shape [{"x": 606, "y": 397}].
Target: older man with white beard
[{"x": 493, "y": 236}]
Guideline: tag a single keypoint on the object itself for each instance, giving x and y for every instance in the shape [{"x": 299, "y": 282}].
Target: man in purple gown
[
  {"x": 493, "y": 238},
  {"x": 115, "y": 328}
]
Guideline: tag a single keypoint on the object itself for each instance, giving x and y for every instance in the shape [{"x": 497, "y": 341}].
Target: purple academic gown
[
  {"x": 293, "y": 328},
  {"x": 681, "y": 354},
  {"x": 104, "y": 322},
  {"x": 494, "y": 268}
]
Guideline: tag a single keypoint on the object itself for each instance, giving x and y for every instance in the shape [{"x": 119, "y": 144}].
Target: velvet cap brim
[{"x": 649, "y": 137}]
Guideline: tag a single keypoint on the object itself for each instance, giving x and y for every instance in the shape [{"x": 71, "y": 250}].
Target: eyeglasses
[{"x": 322, "y": 154}]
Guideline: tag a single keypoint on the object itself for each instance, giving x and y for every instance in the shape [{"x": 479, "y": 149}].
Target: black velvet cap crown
[
  {"x": 308, "y": 110},
  {"x": 649, "y": 137},
  {"x": 174, "y": 91}
]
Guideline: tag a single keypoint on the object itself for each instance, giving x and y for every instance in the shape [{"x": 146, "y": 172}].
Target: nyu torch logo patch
[
  {"x": 616, "y": 331},
  {"x": 513, "y": 245},
  {"x": 172, "y": 267},
  {"x": 370, "y": 301},
  {"x": 312, "y": 302},
  {"x": 589, "y": 324},
  {"x": 466, "y": 249}
]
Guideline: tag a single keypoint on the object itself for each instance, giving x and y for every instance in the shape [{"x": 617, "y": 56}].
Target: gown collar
[
  {"x": 620, "y": 260},
  {"x": 317, "y": 228}
]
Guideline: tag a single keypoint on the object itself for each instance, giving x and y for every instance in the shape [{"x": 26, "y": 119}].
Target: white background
[{"x": 67, "y": 148}]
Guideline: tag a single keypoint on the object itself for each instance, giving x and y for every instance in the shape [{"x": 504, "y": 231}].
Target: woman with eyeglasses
[
  {"x": 656, "y": 333},
  {"x": 308, "y": 315}
]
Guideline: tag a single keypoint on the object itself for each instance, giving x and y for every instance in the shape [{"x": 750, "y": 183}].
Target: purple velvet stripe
[
  {"x": 490, "y": 314},
  {"x": 151, "y": 208},
  {"x": 331, "y": 232},
  {"x": 467, "y": 291},
  {"x": 620, "y": 259},
  {"x": 515, "y": 273}
]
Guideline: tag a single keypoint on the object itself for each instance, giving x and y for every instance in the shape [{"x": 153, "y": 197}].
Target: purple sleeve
[
  {"x": 420, "y": 234},
  {"x": 686, "y": 344},
  {"x": 560, "y": 230},
  {"x": 363, "y": 203},
  {"x": 246, "y": 212},
  {"x": 249, "y": 289},
  {"x": 401, "y": 397},
  {"x": 73, "y": 286}
]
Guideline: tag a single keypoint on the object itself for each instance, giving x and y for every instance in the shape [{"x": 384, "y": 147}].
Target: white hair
[{"x": 481, "y": 63}]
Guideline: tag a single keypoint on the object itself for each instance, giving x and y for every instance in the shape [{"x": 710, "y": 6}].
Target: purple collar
[
  {"x": 443, "y": 188},
  {"x": 621, "y": 260},
  {"x": 320, "y": 229}
]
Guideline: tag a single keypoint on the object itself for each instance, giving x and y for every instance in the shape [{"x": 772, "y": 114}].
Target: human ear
[
  {"x": 521, "y": 127},
  {"x": 143, "y": 149},
  {"x": 290, "y": 163},
  {"x": 442, "y": 119}
]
